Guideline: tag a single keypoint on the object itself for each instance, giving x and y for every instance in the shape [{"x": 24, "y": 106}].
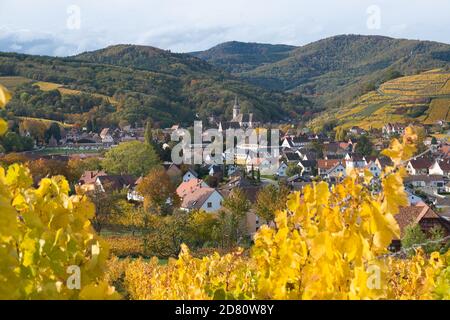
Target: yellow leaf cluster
[
  {"x": 45, "y": 233},
  {"x": 330, "y": 243}
]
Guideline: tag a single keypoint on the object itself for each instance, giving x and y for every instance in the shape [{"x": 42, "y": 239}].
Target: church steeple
[{"x": 236, "y": 107}]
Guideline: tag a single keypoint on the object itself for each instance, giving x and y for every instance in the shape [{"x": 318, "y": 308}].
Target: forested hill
[
  {"x": 138, "y": 83},
  {"x": 237, "y": 57},
  {"x": 149, "y": 58},
  {"x": 337, "y": 68}
]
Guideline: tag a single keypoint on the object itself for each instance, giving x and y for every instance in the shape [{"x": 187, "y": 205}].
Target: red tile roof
[
  {"x": 186, "y": 188},
  {"x": 328, "y": 164},
  {"x": 414, "y": 214}
]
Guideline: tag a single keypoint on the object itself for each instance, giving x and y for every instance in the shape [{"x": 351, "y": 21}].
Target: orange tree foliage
[{"x": 158, "y": 191}]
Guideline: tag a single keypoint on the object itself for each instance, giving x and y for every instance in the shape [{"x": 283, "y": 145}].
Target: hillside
[
  {"x": 237, "y": 57},
  {"x": 143, "y": 83},
  {"x": 337, "y": 69},
  {"x": 148, "y": 58},
  {"x": 423, "y": 98}
]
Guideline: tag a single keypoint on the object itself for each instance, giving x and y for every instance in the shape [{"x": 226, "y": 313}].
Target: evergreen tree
[{"x": 148, "y": 133}]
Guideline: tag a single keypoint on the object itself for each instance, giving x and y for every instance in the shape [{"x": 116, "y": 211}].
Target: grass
[
  {"x": 13, "y": 82},
  {"x": 47, "y": 121},
  {"x": 48, "y": 86}
]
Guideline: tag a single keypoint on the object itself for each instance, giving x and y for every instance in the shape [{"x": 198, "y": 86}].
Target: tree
[
  {"x": 42, "y": 168},
  {"x": 106, "y": 203},
  {"x": 269, "y": 200},
  {"x": 134, "y": 158},
  {"x": 364, "y": 146},
  {"x": 15, "y": 143},
  {"x": 158, "y": 191},
  {"x": 53, "y": 131},
  {"x": 36, "y": 129},
  {"x": 413, "y": 236},
  {"x": 237, "y": 207},
  {"x": 293, "y": 169},
  {"x": 165, "y": 235},
  {"x": 317, "y": 146},
  {"x": 148, "y": 134},
  {"x": 341, "y": 134},
  {"x": 76, "y": 167},
  {"x": 434, "y": 141}
]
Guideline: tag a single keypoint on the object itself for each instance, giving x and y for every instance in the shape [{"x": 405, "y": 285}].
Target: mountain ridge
[{"x": 337, "y": 68}]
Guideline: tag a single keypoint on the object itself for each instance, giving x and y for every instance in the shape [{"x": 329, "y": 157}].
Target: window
[{"x": 209, "y": 204}]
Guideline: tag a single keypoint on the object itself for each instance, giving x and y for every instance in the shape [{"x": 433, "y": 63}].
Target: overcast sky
[{"x": 61, "y": 27}]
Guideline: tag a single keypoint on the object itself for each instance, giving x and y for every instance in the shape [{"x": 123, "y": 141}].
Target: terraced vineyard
[{"x": 421, "y": 98}]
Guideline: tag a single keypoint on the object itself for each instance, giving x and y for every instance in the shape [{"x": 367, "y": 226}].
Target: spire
[
  {"x": 236, "y": 103},
  {"x": 236, "y": 108}
]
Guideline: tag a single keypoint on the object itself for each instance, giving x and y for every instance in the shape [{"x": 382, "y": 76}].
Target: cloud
[{"x": 191, "y": 25}]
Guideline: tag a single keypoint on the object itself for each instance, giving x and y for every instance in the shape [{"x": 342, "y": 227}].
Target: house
[
  {"x": 173, "y": 171},
  {"x": 106, "y": 136},
  {"x": 296, "y": 142},
  {"x": 442, "y": 203},
  {"x": 109, "y": 183},
  {"x": 202, "y": 198},
  {"x": 291, "y": 157},
  {"x": 133, "y": 194},
  {"x": 308, "y": 167},
  {"x": 307, "y": 154},
  {"x": 88, "y": 178},
  {"x": 418, "y": 166},
  {"x": 391, "y": 129},
  {"x": 252, "y": 221},
  {"x": 434, "y": 182},
  {"x": 335, "y": 173},
  {"x": 441, "y": 167},
  {"x": 189, "y": 175},
  {"x": 266, "y": 165},
  {"x": 412, "y": 198},
  {"x": 355, "y": 161},
  {"x": 374, "y": 168},
  {"x": 282, "y": 170},
  {"x": 357, "y": 131},
  {"x": 418, "y": 214},
  {"x": 190, "y": 186},
  {"x": 215, "y": 170},
  {"x": 325, "y": 165}
]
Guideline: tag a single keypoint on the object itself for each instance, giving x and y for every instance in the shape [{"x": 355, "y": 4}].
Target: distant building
[
  {"x": 434, "y": 182},
  {"x": 391, "y": 129},
  {"x": 195, "y": 194},
  {"x": 189, "y": 175},
  {"x": 419, "y": 214},
  {"x": 111, "y": 183},
  {"x": 240, "y": 120},
  {"x": 87, "y": 180},
  {"x": 418, "y": 166},
  {"x": 441, "y": 167}
]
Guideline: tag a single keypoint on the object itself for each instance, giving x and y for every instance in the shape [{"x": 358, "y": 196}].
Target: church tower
[{"x": 236, "y": 108}]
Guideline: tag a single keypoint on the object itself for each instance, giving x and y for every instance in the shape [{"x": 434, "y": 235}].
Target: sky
[{"x": 68, "y": 27}]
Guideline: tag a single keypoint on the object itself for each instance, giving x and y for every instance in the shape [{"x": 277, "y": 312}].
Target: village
[{"x": 304, "y": 158}]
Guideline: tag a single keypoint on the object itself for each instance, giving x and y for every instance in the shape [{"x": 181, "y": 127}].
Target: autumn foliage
[{"x": 329, "y": 243}]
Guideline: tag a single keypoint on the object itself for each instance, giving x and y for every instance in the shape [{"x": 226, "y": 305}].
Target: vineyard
[{"x": 424, "y": 98}]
